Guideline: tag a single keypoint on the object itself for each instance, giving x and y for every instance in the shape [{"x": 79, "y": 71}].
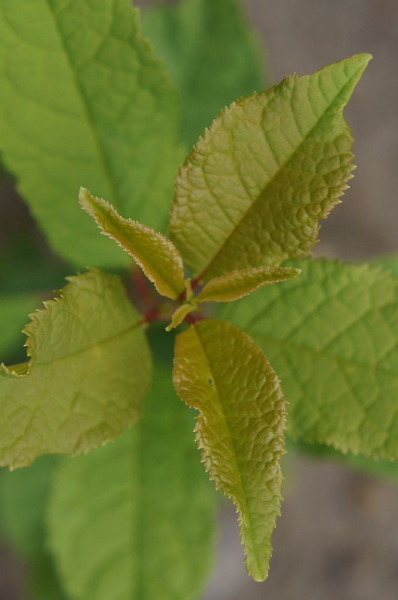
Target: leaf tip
[{"x": 85, "y": 199}]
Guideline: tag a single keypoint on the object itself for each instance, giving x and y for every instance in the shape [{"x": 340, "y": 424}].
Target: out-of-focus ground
[{"x": 338, "y": 535}]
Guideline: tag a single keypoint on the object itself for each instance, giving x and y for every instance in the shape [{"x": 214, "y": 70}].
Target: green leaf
[
  {"x": 212, "y": 54},
  {"x": 134, "y": 520},
  {"x": 23, "y": 498},
  {"x": 179, "y": 315},
  {"x": 23, "y": 505},
  {"x": 388, "y": 262},
  {"x": 253, "y": 189},
  {"x": 219, "y": 371},
  {"x": 237, "y": 284},
  {"x": 85, "y": 101},
  {"x": 154, "y": 253},
  {"x": 13, "y": 311},
  {"x": 386, "y": 470},
  {"x": 88, "y": 371},
  {"x": 332, "y": 336}
]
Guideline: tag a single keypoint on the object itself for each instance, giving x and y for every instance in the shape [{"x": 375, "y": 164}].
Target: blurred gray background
[{"x": 338, "y": 537}]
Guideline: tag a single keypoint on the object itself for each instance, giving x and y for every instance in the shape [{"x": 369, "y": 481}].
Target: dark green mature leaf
[
  {"x": 27, "y": 276},
  {"x": 386, "y": 470},
  {"x": 219, "y": 371},
  {"x": 153, "y": 252},
  {"x": 88, "y": 370},
  {"x": 213, "y": 56},
  {"x": 134, "y": 520},
  {"x": 23, "y": 509},
  {"x": 332, "y": 336},
  {"x": 85, "y": 101},
  {"x": 23, "y": 499},
  {"x": 252, "y": 191},
  {"x": 388, "y": 262},
  {"x": 13, "y": 311}
]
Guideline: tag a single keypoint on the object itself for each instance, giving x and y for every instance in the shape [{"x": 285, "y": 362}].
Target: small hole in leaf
[{"x": 210, "y": 382}]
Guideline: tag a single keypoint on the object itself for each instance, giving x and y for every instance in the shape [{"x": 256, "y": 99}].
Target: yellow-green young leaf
[
  {"x": 88, "y": 371},
  {"x": 154, "y": 253},
  {"x": 332, "y": 336},
  {"x": 237, "y": 284},
  {"x": 179, "y": 315},
  {"x": 253, "y": 189},
  {"x": 221, "y": 372},
  {"x": 134, "y": 520},
  {"x": 85, "y": 101},
  {"x": 212, "y": 53}
]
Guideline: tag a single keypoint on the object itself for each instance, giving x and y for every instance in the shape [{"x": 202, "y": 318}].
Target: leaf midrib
[
  {"x": 248, "y": 514},
  {"x": 107, "y": 168},
  {"x": 30, "y": 364},
  {"x": 277, "y": 173}
]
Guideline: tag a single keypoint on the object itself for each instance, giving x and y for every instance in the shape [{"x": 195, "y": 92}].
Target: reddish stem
[
  {"x": 195, "y": 284},
  {"x": 193, "y": 318},
  {"x": 152, "y": 315}
]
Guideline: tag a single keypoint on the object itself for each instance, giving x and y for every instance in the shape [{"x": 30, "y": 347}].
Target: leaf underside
[
  {"x": 154, "y": 253},
  {"x": 82, "y": 386},
  {"x": 85, "y": 101},
  {"x": 331, "y": 334},
  {"x": 219, "y": 371},
  {"x": 268, "y": 169},
  {"x": 135, "y": 519},
  {"x": 237, "y": 284}
]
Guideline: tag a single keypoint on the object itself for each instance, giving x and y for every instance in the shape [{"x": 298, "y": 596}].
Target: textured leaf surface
[
  {"x": 23, "y": 508},
  {"x": 213, "y": 56},
  {"x": 332, "y": 336},
  {"x": 88, "y": 371},
  {"x": 220, "y": 371},
  {"x": 237, "y": 284},
  {"x": 154, "y": 253},
  {"x": 252, "y": 191},
  {"x": 85, "y": 101},
  {"x": 134, "y": 520}
]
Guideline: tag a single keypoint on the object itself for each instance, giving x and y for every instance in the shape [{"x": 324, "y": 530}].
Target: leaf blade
[
  {"x": 237, "y": 284},
  {"x": 155, "y": 254},
  {"x": 13, "y": 311},
  {"x": 211, "y": 64},
  {"x": 332, "y": 336},
  {"x": 179, "y": 315},
  {"x": 23, "y": 506},
  {"x": 267, "y": 170},
  {"x": 73, "y": 394},
  {"x": 151, "y": 536},
  {"x": 240, "y": 426},
  {"x": 85, "y": 100}
]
